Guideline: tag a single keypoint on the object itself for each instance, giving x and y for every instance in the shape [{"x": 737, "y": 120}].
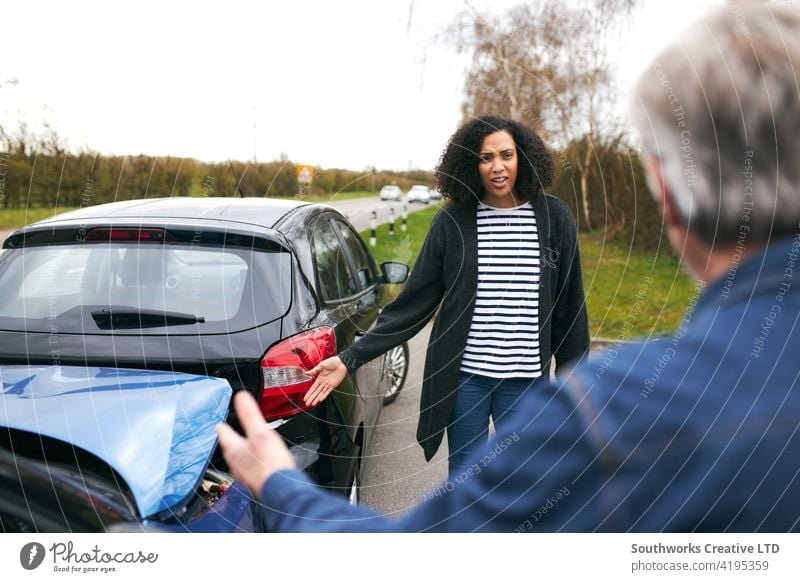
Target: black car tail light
[
  {"x": 106, "y": 234},
  {"x": 285, "y": 366}
]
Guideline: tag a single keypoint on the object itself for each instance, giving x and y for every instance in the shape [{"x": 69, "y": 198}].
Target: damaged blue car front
[{"x": 86, "y": 449}]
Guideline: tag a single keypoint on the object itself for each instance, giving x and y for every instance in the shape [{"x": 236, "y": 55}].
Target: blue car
[{"x": 87, "y": 449}]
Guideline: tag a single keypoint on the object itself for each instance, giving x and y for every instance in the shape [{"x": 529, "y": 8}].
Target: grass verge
[
  {"x": 17, "y": 217},
  {"x": 629, "y": 293},
  {"x": 404, "y": 246}
]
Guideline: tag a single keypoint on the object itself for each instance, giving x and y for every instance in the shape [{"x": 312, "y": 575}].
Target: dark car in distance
[{"x": 253, "y": 291}]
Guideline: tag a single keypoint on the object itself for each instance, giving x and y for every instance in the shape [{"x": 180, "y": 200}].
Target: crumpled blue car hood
[{"x": 156, "y": 429}]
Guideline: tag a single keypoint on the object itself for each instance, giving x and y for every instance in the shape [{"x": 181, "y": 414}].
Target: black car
[{"x": 255, "y": 291}]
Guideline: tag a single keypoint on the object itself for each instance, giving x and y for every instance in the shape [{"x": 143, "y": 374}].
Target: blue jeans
[{"x": 478, "y": 398}]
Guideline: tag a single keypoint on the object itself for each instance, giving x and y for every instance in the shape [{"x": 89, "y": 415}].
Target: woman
[{"x": 502, "y": 261}]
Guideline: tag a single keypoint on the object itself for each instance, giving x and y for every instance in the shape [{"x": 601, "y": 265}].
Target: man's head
[{"x": 719, "y": 117}]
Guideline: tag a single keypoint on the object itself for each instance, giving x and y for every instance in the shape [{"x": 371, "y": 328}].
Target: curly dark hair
[{"x": 457, "y": 175}]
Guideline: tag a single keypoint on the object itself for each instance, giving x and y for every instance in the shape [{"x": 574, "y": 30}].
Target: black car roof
[{"x": 265, "y": 212}]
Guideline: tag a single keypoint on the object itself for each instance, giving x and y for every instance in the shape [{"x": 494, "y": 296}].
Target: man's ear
[{"x": 662, "y": 193}]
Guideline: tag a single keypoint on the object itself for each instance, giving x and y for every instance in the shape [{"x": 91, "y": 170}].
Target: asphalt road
[
  {"x": 359, "y": 210},
  {"x": 395, "y": 475}
]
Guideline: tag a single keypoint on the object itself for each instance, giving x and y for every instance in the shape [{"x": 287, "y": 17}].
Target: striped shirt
[{"x": 503, "y": 340}]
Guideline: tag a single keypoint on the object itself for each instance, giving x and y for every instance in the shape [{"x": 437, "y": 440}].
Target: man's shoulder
[{"x": 624, "y": 368}]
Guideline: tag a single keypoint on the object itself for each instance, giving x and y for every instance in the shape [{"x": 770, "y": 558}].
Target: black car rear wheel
[{"x": 397, "y": 370}]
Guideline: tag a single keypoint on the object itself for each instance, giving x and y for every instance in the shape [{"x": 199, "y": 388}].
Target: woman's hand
[
  {"x": 254, "y": 458},
  {"x": 330, "y": 374}
]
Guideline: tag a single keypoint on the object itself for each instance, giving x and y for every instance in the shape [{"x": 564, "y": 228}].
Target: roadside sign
[{"x": 305, "y": 174}]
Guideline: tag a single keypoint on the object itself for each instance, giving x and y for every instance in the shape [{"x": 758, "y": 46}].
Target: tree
[
  {"x": 4, "y": 137},
  {"x": 545, "y": 64}
]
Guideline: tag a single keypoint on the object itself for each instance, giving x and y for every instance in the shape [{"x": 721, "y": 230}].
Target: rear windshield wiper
[{"x": 127, "y": 317}]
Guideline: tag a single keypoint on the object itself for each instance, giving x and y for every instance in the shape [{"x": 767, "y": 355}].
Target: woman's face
[{"x": 498, "y": 170}]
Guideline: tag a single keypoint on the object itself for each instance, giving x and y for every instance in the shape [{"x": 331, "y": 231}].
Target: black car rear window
[{"x": 57, "y": 288}]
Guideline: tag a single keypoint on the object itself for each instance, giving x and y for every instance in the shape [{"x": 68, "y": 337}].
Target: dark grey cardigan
[{"x": 446, "y": 274}]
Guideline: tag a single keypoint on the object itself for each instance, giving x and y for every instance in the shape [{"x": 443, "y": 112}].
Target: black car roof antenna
[{"x": 238, "y": 180}]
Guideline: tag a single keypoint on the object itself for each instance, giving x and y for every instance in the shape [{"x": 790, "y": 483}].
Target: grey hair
[{"x": 720, "y": 109}]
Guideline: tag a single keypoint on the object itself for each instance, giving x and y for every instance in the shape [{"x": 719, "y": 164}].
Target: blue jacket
[{"x": 698, "y": 431}]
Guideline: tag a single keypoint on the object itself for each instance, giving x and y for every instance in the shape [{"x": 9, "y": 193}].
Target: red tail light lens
[
  {"x": 285, "y": 369},
  {"x": 134, "y": 234}
]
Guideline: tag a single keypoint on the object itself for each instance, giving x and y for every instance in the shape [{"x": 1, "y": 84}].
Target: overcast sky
[{"x": 333, "y": 83}]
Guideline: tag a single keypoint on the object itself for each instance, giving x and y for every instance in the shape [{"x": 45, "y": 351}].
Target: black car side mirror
[{"x": 394, "y": 272}]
